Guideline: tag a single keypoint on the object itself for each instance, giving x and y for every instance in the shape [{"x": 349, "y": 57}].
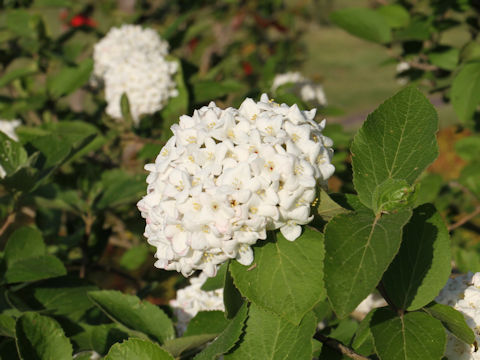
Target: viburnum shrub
[{"x": 289, "y": 239}]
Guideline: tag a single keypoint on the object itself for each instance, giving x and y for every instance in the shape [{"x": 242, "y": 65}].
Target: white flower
[
  {"x": 228, "y": 176},
  {"x": 402, "y": 67},
  {"x": 192, "y": 299},
  {"x": 306, "y": 89},
  {"x": 131, "y": 60},
  {"x": 463, "y": 294},
  {"x": 8, "y": 128},
  {"x": 371, "y": 302}
]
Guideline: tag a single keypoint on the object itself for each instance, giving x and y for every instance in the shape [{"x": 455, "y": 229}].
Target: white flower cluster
[
  {"x": 306, "y": 89},
  {"x": 227, "y": 176},
  {"x": 192, "y": 299},
  {"x": 463, "y": 294},
  {"x": 8, "y": 128},
  {"x": 131, "y": 60}
]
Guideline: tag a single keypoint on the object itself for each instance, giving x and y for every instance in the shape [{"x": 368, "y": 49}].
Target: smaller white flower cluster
[
  {"x": 228, "y": 176},
  {"x": 401, "y": 68},
  {"x": 463, "y": 294},
  {"x": 306, "y": 89},
  {"x": 131, "y": 60},
  {"x": 192, "y": 299},
  {"x": 8, "y": 128}
]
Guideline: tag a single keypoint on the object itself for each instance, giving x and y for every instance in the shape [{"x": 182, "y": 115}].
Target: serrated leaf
[
  {"x": 422, "y": 266},
  {"x": 359, "y": 247},
  {"x": 34, "y": 269},
  {"x": 218, "y": 281},
  {"x": 25, "y": 242},
  {"x": 232, "y": 299},
  {"x": 137, "y": 349},
  {"x": 69, "y": 79},
  {"x": 453, "y": 320},
  {"x": 395, "y": 15},
  {"x": 392, "y": 194},
  {"x": 397, "y": 141},
  {"x": 179, "y": 345},
  {"x": 227, "y": 339},
  {"x": 41, "y": 337},
  {"x": 427, "y": 189},
  {"x": 363, "y": 340},
  {"x": 207, "y": 322},
  {"x": 137, "y": 315},
  {"x": 412, "y": 336},
  {"x": 284, "y": 269},
  {"x": 327, "y": 208},
  {"x": 98, "y": 337},
  {"x": 465, "y": 93},
  {"x": 12, "y": 154},
  {"x": 364, "y": 23},
  {"x": 268, "y": 336}
]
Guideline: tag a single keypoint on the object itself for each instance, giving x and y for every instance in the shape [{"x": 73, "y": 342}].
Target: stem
[
  {"x": 8, "y": 221},
  {"x": 465, "y": 219},
  {"x": 338, "y": 346},
  {"x": 88, "y": 219}
]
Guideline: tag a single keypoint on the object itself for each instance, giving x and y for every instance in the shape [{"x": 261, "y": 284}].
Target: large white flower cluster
[
  {"x": 192, "y": 299},
  {"x": 228, "y": 176},
  {"x": 463, "y": 294},
  {"x": 8, "y": 128},
  {"x": 131, "y": 60},
  {"x": 305, "y": 88}
]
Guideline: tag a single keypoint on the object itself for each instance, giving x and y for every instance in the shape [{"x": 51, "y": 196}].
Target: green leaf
[
  {"x": 64, "y": 296},
  {"x": 179, "y": 345},
  {"x": 218, "y": 281},
  {"x": 444, "y": 57},
  {"x": 176, "y": 106},
  {"x": 137, "y": 349},
  {"x": 54, "y": 148},
  {"x": 227, "y": 339},
  {"x": 12, "y": 154},
  {"x": 422, "y": 266},
  {"x": 134, "y": 314},
  {"x": 468, "y": 148},
  {"x": 453, "y": 321},
  {"x": 209, "y": 90},
  {"x": 470, "y": 52},
  {"x": 412, "y": 336},
  {"x": 418, "y": 29},
  {"x": 125, "y": 109},
  {"x": 18, "y": 68},
  {"x": 268, "y": 336},
  {"x": 24, "y": 243},
  {"x": 327, "y": 208},
  {"x": 469, "y": 178},
  {"x": 465, "y": 93},
  {"x": 119, "y": 188},
  {"x": 98, "y": 337},
  {"x": 364, "y": 23},
  {"x": 284, "y": 269},
  {"x": 359, "y": 248},
  {"x": 428, "y": 188},
  {"x": 363, "y": 340},
  {"x": 7, "y": 326},
  {"x": 69, "y": 79},
  {"x": 41, "y": 337},
  {"x": 397, "y": 141},
  {"x": 395, "y": 15},
  {"x": 134, "y": 257},
  {"x": 232, "y": 299},
  {"x": 392, "y": 194},
  {"x": 20, "y": 22},
  {"x": 207, "y": 322},
  {"x": 34, "y": 269}
]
